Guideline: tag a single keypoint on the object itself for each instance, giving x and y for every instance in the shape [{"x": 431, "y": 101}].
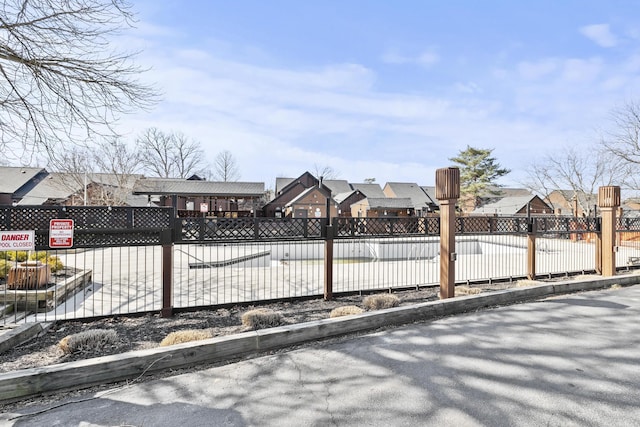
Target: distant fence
[{"x": 131, "y": 260}]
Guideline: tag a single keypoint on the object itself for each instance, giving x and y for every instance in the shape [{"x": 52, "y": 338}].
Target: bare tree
[
  {"x": 226, "y": 167},
  {"x": 624, "y": 141},
  {"x": 325, "y": 172},
  {"x": 169, "y": 155},
  {"x": 60, "y": 79},
  {"x": 118, "y": 165},
  {"x": 581, "y": 170},
  {"x": 104, "y": 175}
]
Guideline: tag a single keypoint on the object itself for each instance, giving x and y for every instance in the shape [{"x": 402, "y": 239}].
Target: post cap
[
  {"x": 609, "y": 196},
  {"x": 447, "y": 183}
]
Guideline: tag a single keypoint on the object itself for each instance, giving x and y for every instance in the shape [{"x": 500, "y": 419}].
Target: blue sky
[{"x": 385, "y": 89}]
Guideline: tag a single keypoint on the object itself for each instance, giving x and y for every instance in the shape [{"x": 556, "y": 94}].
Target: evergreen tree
[{"x": 478, "y": 173}]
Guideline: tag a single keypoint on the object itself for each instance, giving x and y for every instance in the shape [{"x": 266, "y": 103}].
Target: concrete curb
[
  {"x": 108, "y": 369},
  {"x": 18, "y": 334}
]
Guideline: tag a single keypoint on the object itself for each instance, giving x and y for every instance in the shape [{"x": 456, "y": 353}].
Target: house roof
[
  {"x": 305, "y": 192},
  {"x": 183, "y": 187},
  {"x": 13, "y": 178},
  {"x": 412, "y": 191},
  {"x": 337, "y": 185},
  {"x": 341, "y": 197},
  {"x": 369, "y": 190},
  {"x": 431, "y": 192},
  {"x": 509, "y": 205},
  {"x": 56, "y": 187},
  {"x": 281, "y": 183},
  {"x": 390, "y": 203}
]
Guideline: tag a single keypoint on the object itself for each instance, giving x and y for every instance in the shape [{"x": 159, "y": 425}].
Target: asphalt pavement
[{"x": 571, "y": 360}]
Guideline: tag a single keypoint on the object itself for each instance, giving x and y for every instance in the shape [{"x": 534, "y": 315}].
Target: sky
[{"x": 389, "y": 90}]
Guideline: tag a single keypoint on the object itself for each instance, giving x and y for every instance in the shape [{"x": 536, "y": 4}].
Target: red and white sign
[
  {"x": 17, "y": 240},
  {"x": 61, "y": 233},
  {"x": 204, "y": 207}
]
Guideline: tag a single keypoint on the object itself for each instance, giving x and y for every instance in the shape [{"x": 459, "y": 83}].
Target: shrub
[
  {"x": 346, "y": 310},
  {"x": 54, "y": 261},
  {"x": 91, "y": 339},
  {"x": 261, "y": 318},
  {"x": 380, "y": 301},
  {"x": 5, "y": 266},
  {"x": 18, "y": 256},
  {"x": 188, "y": 335}
]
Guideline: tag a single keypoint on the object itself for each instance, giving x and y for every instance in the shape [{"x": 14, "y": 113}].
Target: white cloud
[{"x": 600, "y": 34}]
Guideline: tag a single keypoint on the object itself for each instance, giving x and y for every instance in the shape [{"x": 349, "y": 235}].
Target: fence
[{"x": 136, "y": 260}]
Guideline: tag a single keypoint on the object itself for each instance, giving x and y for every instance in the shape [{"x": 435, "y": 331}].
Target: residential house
[
  {"x": 573, "y": 203},
  {"x": 356, "y": 193},
  {"x": 288, "y": 189},
  {"x": 383, "y": 207},
  {"x": 195, "y": 196},
  {"x": 311, "y": 203},
  {"x": 422, "y": 203},
  {"x": 78, "y": 189}
]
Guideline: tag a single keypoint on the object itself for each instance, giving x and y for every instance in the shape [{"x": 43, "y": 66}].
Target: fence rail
[{"x": 118, "y": 264}]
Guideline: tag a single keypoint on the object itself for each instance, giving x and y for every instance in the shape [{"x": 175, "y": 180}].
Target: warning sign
[
  {"x": 61, "y": 233},
  {"x": 17, "y": 240}
]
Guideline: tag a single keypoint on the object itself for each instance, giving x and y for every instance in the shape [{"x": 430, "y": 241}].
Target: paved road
[{"x": 565, "y": 361}]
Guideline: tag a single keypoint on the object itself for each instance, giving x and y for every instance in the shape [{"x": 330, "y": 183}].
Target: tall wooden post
[
  {"x": 167, "y": 273},
  {"x": 328, "y": 264},
  {"x": 608, "y": 202},
  {"x": 447, "y": 193},
  {"x": 531, "y": 250}
]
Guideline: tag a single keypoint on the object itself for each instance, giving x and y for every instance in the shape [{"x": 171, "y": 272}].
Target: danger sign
[
  {"x": 61, "y": 233},
  {"x": 17, "y": 240}
]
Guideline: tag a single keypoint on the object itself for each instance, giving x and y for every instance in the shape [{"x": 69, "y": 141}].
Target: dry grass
[
  {"x": 346, "y": 310},
  {"x": 92, "y": 339},
  {"x": 467, "y": 290},
  {"x": 616, "y": 286},
  {"x": 187, "y": 335},
  {"x": 526, "y": 282},
  {"x": 380, "y": 301},
  {"x": 260, "y": 318}
]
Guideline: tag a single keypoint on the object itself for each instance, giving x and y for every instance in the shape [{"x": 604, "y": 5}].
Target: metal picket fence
[{"x": 118, "y": 263}]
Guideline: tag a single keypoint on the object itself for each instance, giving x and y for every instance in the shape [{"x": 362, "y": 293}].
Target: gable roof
[
  {"x": 14, "y": 178},
  {"x": 413, "y": 191},
  {"x": 281, "y": 183},
  {"x": 56, "y": 187},
  {"x": 183, "y": 187},
  {"x": 305, "y": 192},
  {"x": 369, "y": 190},
  {"x": 431, "y": 193},
  {"x": 337, "y": 185}
]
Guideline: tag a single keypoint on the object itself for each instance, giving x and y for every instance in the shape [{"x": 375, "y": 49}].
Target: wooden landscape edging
[{"x": 108, "y": 369}]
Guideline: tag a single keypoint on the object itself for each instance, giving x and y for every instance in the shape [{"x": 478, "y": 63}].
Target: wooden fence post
[
  {"x": 531, "y": 249},
  {"x": 608, "y": 202},
  {"x": 328, "y": 264},
  {"x": 167, "y": 273},
  {"x": 447, "y": 193}
]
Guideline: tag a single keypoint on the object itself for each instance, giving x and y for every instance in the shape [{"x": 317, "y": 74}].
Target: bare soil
[{"x": 144, "y": 332}]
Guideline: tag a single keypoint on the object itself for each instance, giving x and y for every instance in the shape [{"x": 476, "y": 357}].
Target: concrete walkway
[{"x": 565, "y": 361}]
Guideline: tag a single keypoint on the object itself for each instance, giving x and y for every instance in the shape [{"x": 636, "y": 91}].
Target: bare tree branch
[
  {"x": 226, "y": 167},
  {"x": 169, "y": 155},
  {"x": 60, "y": 81}
]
